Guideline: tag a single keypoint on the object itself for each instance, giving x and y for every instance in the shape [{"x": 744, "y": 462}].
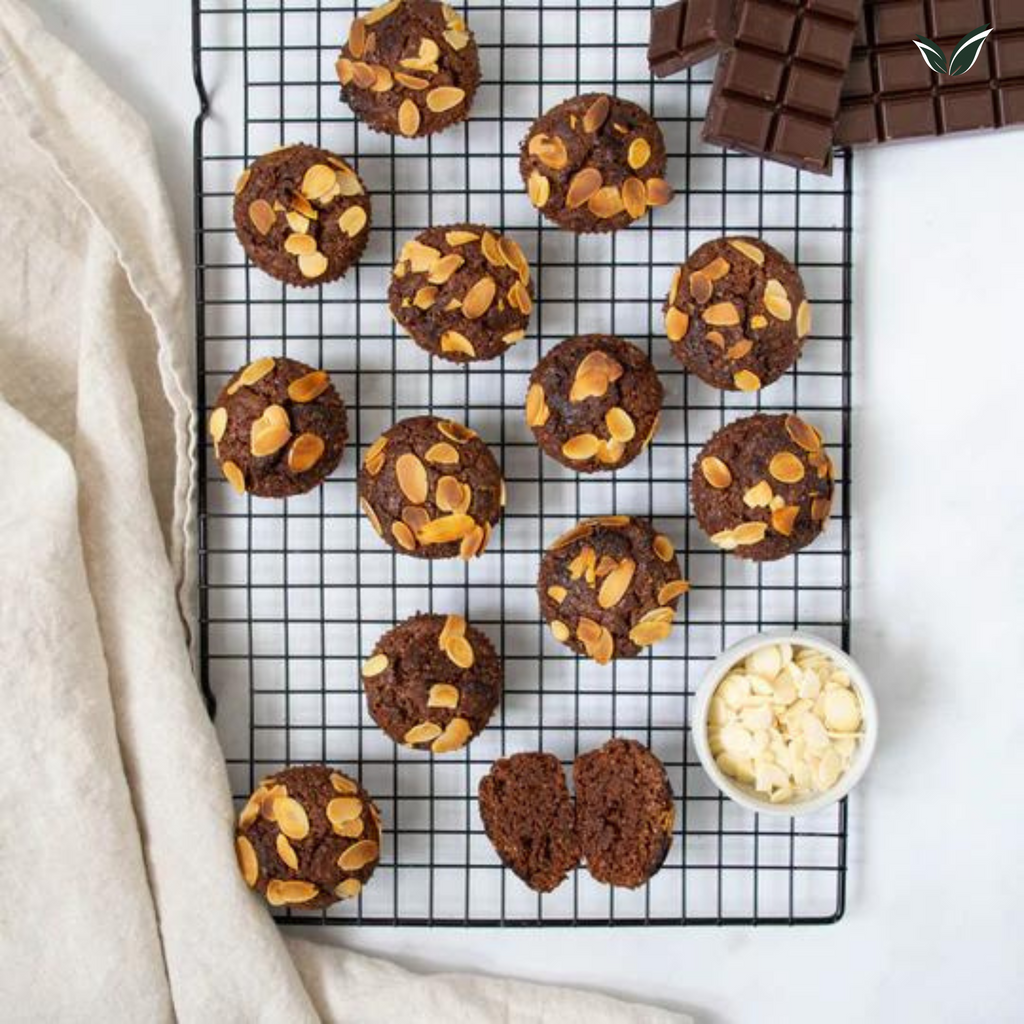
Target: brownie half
[
  {"x": 528, "y": 816},
  {"x": 624, "y": 812}
]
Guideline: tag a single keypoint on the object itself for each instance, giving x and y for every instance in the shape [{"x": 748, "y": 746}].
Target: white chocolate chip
[{"x": 785, "y": 722}]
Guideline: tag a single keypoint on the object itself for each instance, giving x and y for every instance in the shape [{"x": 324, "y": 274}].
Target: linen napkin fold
[{"x": 122, "y": 901}]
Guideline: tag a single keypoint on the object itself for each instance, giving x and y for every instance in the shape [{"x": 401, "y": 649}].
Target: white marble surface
[{"x": 933, "y": 927}]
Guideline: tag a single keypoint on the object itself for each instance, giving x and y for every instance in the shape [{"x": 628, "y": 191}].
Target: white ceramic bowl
[{"x": 746, "y": 795}]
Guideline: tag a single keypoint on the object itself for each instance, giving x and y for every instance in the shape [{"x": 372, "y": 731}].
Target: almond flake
[
  {"x": 677, "y": 323},
  {"x": 634, "y": 197},
  {"x": 479, "y": 298},
  {"x": 454, "y": 342},
  {"x": 581, "y": 447},
  {"x": 786, "y": 467},
  {"x": 455, "y": 736},
  {"x": 583, "y": 184},
  {"x": 752, "y": 252},
  {"x": 352, "y": 221},
  {"x": 620, "y": 425},
  {"x": 305, "y": 452},
  {"x": 248, "y": 863},
  {"x": 639, "y": 153},
  {"x": 408, "y": 118},
  {"x": 716, "y": 472}
]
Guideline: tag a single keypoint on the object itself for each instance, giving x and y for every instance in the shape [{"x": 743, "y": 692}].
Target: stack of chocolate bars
[{"x": 797, "y": 77}]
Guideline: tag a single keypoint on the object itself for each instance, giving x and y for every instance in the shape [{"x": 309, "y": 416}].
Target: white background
[{"x": 936, "y": 903}]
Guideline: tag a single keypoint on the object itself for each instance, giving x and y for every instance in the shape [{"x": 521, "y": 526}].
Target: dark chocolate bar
[
  {"x": 891, "y": 93},
  {"x": 776, "y": 92},
  {"x": 686, "y": 32}
]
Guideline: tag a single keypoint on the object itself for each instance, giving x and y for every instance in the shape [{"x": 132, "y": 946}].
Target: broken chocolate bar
[
  {"x": 686, "y": 32},
  {"x": 891, "y": 93},
  {"x": 776, "y": 92}
]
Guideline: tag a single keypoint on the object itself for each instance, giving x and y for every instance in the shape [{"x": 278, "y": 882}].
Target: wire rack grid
[{"x": 294, "y": 593}]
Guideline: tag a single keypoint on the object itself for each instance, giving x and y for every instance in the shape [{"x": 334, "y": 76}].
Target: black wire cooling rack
[{"x": 294, "y": 594}]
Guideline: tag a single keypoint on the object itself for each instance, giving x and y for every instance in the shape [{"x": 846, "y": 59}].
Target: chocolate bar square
[{"x": 686, "y": 32}]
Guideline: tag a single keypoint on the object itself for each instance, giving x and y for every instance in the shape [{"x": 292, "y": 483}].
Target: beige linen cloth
[{"x": 120, "y": 898}]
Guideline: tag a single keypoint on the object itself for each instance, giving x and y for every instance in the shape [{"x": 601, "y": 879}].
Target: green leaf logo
[
  {"x": 967, "y": 50},
  {"x": 933, "y": 56},
  {"x": 964, "y": 54}
]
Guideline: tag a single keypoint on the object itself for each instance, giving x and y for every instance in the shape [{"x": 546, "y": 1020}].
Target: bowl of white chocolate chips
[{"x": 785, "y": 724}]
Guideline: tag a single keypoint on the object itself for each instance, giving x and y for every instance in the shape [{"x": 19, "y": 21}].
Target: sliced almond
[
  {"x": 453, "y": 341},
  {"x": 318, "y": 180},
  {"x": 357, "y": 38},
  {"x": 758, "y": 496},
  {"x": 454, "y": 625},
  {"x": 746, "y": 381},
  {"x": 248, "y": 863},
  {"x": 514, "y": 256},
  {"x": 313, "y": 265},
  {"x": 740, "y": 349},
  {"x": 413, "y": 82},
  {"x": 701, "y": 288},
  {"x": 425, "y": 297},
  {"x": 449, "y": 494},
  {"x": 382, "y": 79},
  {"x": 716, "y": 338},
  {"x": 560, "y": 631},
  {"x": 344, "y": 69},
  {"x": 411, "y": 475},
  {"x": 646, "y": 633},
  {"x": 610, "y": 452},
  {"x": 363, "y": 75},
  {"x": 373, "y": 666},
  {"x": 820, "y": 509},
  {"x": 457, "y": 39},
  {"x": 443, "y": 269},
  {"x": 442, "y": 454},
  {"x": 670, "y": 591},
  {"x": 352, "y": 221},
  {"x": 455, "y": 736},
  {"x": 291, "y": 817},
  {"x": 415, "y": 517},
  {"x": 234, "y": 476},
  {"x": 299, "y": 245},
  {"x": 421, "y": 257},
  {"x": 368, "y": 511},
  {"x": 537, "y": 411},
  {"x": 616, "y": 583},
  {"x": 519, "y": 297},
  {"x": 634, "y": 197},
  {"x": 281, "y": 894},
  {"x": 268, "y": 434},
  {"x": 664, "y": 548},
  {"x": 218, "y": 423},
  {"x": 557, "y": 594},
  {"x": 343, "y": 809},
  {"x": 403, "y": 535},
  {"x": 446, "y": 529},
  {"x": 479, "y": 298},
  {"x": 305, "y": 452},
  {"x": 803, "y": 319},
  {"x": 597, "y": 113},
  {"x": 297, "y": 222},
  {"x": 620, "y": 424},
  {"x": 721, "y": 314},
  {"x": 784, "y": 518},
  {"x": 639, "y": 153},
  {"x": 750, "y": 533},
  {"x": 787, "y": 467},
  {"x": 308, "y": 387},
  {"x": 262, "y": 215},
  {"x": 460, "y": 237},
  {"x": 716, "y": 472},
  {"x": 550, "y": 150},
  {"x": 803, "y": 433},
  {"x": 444, "y": 97},
  {"x": 443, "y": 695},
  {"x": 717, "y": 269},
  {"x": 357, "y": 856},
  {"x": 286, "y": 852},
  {"x": 677, "y": 323},
  {"x": 375, "y": 454},
  {"x": 581, "y": 447},
  {"x": 539, "y": 189},
  {"x": 243, "y": 180},
  {"x": 776, "y": 301},
  {"x": 659, "y": 192},
  {"x": 460, "y": 651},
  {"x": 606, "y": 202},
  {"x": 588, "y": 631},
  {"x": 758, "y": 322},
  {"x": 752, "y": 252},
  {"x": 583, "y": 184},
  {"x": 408, "y": 118},
  {"x": 456, "y": 431}
]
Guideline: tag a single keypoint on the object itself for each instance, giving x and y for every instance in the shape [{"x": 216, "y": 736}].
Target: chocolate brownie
[
  {"x": 609, "y": 587},
  {"x": 624, "y": 812},
  {"x": 595, "y": 163},
  {"x": 736, "y": 314},
  {"x": 462, "y": 291},
  {"x": 762, "y": 486},
  {"x": 431, "y": 489},
  {"x": 529, "y": 817},
  {"x": 302, "y": 215},
  {"x": 594, "y": 402},
  {"x": 278, "y": 428},
  {"x": 409, "y": 67},
  {"x": 308, "y": 837},
  {"x": 433, "y": 682}
]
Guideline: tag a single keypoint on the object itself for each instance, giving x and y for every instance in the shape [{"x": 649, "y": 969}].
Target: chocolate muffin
[
  {"x": 530, "y": 819},
  {"x": 736, "y": 314},
  {"x": 624, "y": 812},
  {"x": 433, "y": 682},
  {"x": 302, "y": 215},
  {"x": 409, "y": 67},
  {"x": 308, "y": 837},
  {"x": 278, "y": 427},
  {"x": 609, "y": 587},
  {"x": 432, "y": 489},
  {"x": 462, "y": 291},
  {"x": 762, "y": 486},
  {"x": 594, "y": 402},
  {"x": 595, "y": 163}
]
